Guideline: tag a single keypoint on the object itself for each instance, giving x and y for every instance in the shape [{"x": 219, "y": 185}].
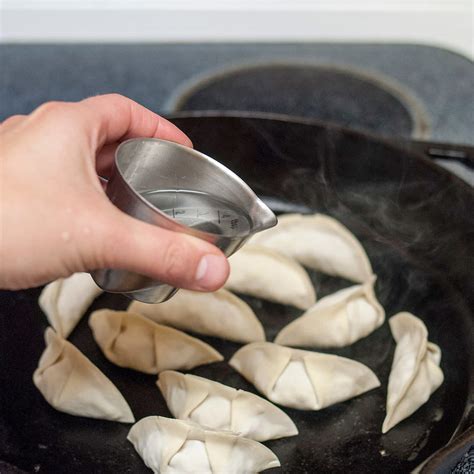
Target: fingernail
[{"x": 211, "y": 272}]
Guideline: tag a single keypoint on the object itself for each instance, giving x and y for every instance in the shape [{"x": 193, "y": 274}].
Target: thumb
[{"x": 169, "y": 257}]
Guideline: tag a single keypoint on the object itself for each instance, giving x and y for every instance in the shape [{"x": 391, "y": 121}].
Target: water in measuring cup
[{"x": 201, "y": 211}]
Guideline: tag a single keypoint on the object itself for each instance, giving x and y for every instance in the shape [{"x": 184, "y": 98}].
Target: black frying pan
[{"x": 416, "y": 222}]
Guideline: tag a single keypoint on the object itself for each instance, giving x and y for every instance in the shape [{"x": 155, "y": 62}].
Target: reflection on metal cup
[{"x": 183, "y": 190}]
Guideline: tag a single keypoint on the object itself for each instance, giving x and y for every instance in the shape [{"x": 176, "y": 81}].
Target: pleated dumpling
[
  {"x": 133, "y": 341},
  {"x": 320, "y": 242},
  {"x": 219, "y": 314},
  {"x": 65, "y": 301},
  {"x": 213, "y": 405},
  {"x": 71, "y": 383},
  {"x": 302, "y": 379},
  {"x": 266, "y": 274},
  {"x": 336, "y": 320},
  {"x": 415, "y": 373},
  {"x": 178, "y": 447}
]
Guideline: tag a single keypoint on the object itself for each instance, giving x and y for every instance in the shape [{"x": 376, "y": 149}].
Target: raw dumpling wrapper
[
  {"x": 302, "y": 379},
  {"x": 415, "y": 373},
  {"x": 177, "y": 447},
  {"x": 336, "y": 320},
  {"x": 266, "y": 274},
  {"x": 219, "y": 407},
  {"x": 320, "y": 242},
  {"x": 64, "y": 301},
  {"x": 133, "y": 341},
  {"x": 219, "y": 314},
  {"x": 71, "y": 383}
]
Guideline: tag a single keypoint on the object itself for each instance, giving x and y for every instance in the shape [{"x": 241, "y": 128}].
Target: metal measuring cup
[{"x": 146, "y": 167}]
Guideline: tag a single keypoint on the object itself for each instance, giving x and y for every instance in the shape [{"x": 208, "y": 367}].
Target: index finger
[{"x": 113, "y": 118}]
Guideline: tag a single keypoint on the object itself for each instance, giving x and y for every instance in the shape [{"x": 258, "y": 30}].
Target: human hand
[{"x": 54, "y": 215}]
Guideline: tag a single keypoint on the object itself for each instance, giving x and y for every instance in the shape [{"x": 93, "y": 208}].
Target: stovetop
[
  {"x": 394, "y": 90},
  {"x": 420, "y": 90}
]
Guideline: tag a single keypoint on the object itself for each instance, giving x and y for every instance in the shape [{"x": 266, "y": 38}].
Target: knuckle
[
  {"x": 12, "y": 119},
  {"x": 98, "y": 245},
  {"x": 115, "y": 96},
  {"x": 106, "y": 244},
  {"x": 50, "y": 107},
  {"x": 176, "y": 264},
  {"x": 63, "y": 115}
]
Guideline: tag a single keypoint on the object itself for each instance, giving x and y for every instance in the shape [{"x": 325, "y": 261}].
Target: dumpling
[
  {"x": 336, "y": 320},
  {"x": 302, "y": 379},
  {"x": 220, "y": 314},
  {"x": 133, "y": 341},
  {"x": 415, "y": 373},
  {"x": 64, "y": 301},
  {"x": 320, "y": 242},
  {"x": 214, "y": 405},
  {"x": 71, "y": 383},
  {"x": 266, "y": 274},
  {"x": 177, "y": 447}
]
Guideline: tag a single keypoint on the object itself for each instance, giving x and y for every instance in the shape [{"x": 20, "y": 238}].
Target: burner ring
[{"x": 345, "y": 95}]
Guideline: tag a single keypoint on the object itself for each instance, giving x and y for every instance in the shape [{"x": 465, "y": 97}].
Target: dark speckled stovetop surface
[{"x": 436, "y": 83}]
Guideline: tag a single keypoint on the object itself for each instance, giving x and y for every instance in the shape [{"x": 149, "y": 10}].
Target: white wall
[{"x": 447, "y": 23}]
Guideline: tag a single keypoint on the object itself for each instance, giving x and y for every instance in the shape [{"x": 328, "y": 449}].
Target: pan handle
[
  {"x": 445, "y": 151},
  {"x": 447, "y": 458}
]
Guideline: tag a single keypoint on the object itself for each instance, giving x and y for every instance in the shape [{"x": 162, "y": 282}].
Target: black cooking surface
[
  {"x": 416, "y": 223},
  {"x": 331, "y": 94}
]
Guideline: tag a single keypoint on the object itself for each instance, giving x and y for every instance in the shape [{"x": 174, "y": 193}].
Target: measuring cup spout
[{"x": 262, "y": 216}]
